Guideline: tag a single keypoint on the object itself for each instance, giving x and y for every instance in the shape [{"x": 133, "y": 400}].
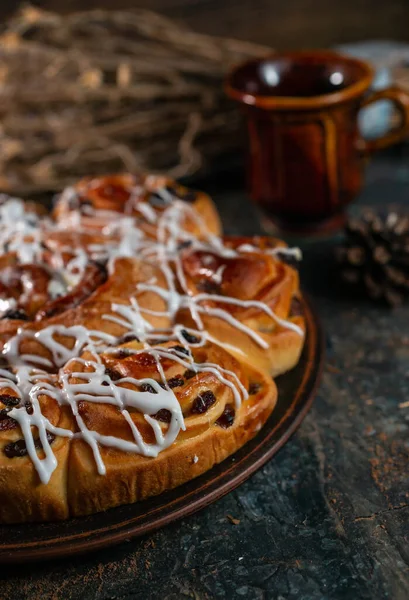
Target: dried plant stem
[{"x": 102, "y": 91}]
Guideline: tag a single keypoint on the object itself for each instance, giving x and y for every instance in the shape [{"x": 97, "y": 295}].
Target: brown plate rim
[{"x": 204, "y": 490}]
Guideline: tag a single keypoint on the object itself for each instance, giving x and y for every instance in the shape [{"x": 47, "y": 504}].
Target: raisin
[
  {"x": 189, "y": 374},
  {"x": 191, "y": 339},
  {"x": 4, "y": 364},
  {"x": 128, "y": 337},
  {"x": 122, "y": 353},
  {"x": 9, "y": 401},
  {"x": 6, "y": 422},
  {"x": 181, "y": 349},
  {"x": 226, "y": 419},
  {"x": 156, "y": 200},
  {"x": 296, "y": 309},
  {"x": 112, "y": 374},
  {"x": 208, "y": 286},
  {"x": 163, "y": 415},
  {"x": 175, "y": 382},
  {"x": 185, "y": 244},
  {"x": 147, "y": 387},
  {"x": 101, "y": 265},
  {"x": 19, "y": 448},
  {"x": 18, "y": 314},
  {"x": 254, "y": 388},
  {"x": 29, "y": 407},
  {"x": 203, "y": 402},
  {"x": 15, "y": 449},
  {"x": 291, "y": 261}
]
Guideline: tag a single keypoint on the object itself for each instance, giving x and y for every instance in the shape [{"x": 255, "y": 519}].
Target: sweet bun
[{"x": 138, "y": 344}]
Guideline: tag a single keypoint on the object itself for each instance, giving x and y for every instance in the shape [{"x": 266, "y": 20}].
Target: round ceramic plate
[{"x": 19, "y": 543}]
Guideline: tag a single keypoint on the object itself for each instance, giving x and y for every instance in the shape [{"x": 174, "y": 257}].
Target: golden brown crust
[
  {"x": 119, "y": 287},
  {"x": 22, "y": 495},
  {"x": 217, "y": 422},
  {"x": 77, "y": 489},
  {"x": 124, "y": 193},
  {"x": 208, "y": 435},
  {"x": 251, "y": 276},
  {"x": 131, "y": 477},
  {"x": 281, "y": 355}
]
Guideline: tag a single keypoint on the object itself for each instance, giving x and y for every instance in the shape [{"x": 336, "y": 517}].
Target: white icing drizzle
[
  {"x": 249, "y": 304},
  {"x": 20, "y": 231},
  {"x": 7, "y": 304},
  {"x": 283, "y": 250},
  {"x": 290, "y": 252},
  {"x": 131, "y": 320},
  {"x": 60, "y": 353},
  {"x": 85, "y": 380},
  {"x": 147, "y": 211},
  {"x": 56, "y": 288}
]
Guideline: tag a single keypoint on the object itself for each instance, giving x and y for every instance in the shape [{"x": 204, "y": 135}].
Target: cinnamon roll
[
  {"x": 169, "y": 414},
  {"x": 92, "y": 201},
  {"x": 247, "y": 297},
  {"x": 35, "y": 431},
  {"x": 137, "y": 345}
]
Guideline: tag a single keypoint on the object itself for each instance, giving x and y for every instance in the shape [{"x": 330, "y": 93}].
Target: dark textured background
[
  {"x": 277, "y": 23},
  {"x": 328, "y": 516}
]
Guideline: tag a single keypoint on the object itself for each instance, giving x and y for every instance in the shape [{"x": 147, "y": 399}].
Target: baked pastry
[
  {"x": 93, "y": 199},
  {"x": 137, "y": 344},
  {"x": 248, "y": 298}
]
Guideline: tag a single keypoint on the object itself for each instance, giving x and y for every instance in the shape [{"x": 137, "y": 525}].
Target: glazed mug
[{"x": 306, "y": 155}]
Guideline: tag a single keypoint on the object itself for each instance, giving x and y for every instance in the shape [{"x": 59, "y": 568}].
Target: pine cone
[{"x": 375, "y": 255}]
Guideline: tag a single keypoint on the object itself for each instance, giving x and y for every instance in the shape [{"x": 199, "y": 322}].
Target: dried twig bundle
[{"x": 102, "y": 91}]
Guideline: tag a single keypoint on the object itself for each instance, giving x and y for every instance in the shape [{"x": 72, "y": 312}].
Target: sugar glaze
[{"x": 66, "y": 376}]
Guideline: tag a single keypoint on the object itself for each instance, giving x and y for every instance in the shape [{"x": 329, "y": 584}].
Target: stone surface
[{"x": 328, "y": 516}]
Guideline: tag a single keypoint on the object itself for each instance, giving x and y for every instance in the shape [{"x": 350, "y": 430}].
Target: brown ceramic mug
[{"x": 306, "y": 154}]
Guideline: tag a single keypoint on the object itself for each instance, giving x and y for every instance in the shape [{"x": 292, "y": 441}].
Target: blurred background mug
[{"x": 306, "y": 155}]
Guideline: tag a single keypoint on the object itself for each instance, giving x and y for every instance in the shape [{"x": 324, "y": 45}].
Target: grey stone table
[{"x": 328, "y": 517}]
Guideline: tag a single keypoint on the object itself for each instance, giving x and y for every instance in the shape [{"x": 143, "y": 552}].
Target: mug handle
[{"x": 400, "y": 99}]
